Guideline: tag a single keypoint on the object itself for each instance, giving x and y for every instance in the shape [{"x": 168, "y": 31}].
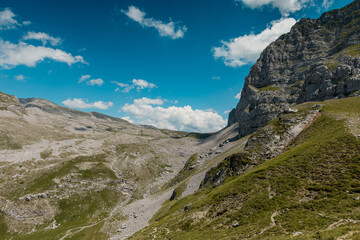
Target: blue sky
[{"x": 173, "y": 64}]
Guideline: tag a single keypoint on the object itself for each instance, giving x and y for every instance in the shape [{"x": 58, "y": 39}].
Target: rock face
[{"x": 317, "y": 60}]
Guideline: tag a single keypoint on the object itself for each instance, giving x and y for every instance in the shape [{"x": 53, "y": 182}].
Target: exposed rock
[
  {"x": 265, "y": 144},
  {"x": 317, "y": 60},
  {"x": 236, "y": 224}
]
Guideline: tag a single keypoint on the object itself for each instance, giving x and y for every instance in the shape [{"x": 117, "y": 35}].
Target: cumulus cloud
[
  {"x": 8, "y": 21},
  {"x": 97, "y": 82},
  {"x": 141, "y": 84},
  {"x": 12, "y": 55},
  {"x": 148, "y": 101},
  {"x": 81, "y": 103},
  {"x": 91, "y": 82},
  {"x": 83, "y": 78},
  {"x": 20, "y": 78},
  {"x": 174, "y": 118},
  {"x": 43, "y": 37},
  {"x": 285, "y": 6},
  {"x": 227, "y": 111},
  {"x": 246, "y": 49},
  {"x": 137, "y": 84},
  {"x": 165, "y": 29}
]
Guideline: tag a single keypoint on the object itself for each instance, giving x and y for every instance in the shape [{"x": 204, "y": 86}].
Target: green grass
[
  {"x": 45, "y": 181},
  {"x": 315, "y": 181},
  {"x": 270, "y": 88},
  {"x": 80, "y": 208},
  {"x": 7, "y": 143},
  {"x": 184, "y": 173},
  {"x": 77, "y": 211}
]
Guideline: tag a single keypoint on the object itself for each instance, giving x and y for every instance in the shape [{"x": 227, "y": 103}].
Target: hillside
[
  {"x": 297, "y": 176},
  {"x": 66, "y": 173},
  {"x": 309, "y": 191},
  {"x": 287, "y": 166}
]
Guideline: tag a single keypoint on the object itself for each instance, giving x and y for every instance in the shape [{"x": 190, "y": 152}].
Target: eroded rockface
[{"x": 318, "y": 59}]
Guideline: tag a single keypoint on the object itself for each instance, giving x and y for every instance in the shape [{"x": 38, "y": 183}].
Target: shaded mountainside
[{"x": 317, "y": 60}]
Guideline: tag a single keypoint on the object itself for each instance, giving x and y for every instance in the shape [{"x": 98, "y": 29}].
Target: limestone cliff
[{"x": 317, "y": 60}]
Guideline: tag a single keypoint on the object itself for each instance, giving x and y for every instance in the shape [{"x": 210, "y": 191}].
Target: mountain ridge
[{"x": 317, "y": 60}]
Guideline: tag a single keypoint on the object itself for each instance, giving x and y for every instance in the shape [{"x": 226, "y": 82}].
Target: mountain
[
  {"x": 66, "y": 173},
  {"x": 286, "y": 167},
  {"x": 297, "y": 176},
  {"x": 317, "y": 60}
]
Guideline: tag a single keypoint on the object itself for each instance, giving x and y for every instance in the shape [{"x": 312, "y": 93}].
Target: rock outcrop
[{"x": 317, "y": 60}]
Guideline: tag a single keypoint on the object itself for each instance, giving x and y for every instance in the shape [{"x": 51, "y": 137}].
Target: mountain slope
[
  {"x": 310, "y": 191},
  {"x": 66, "y": 174},
  {"x": 318, "y": 59},
  {"x": 297, "y": 175}
]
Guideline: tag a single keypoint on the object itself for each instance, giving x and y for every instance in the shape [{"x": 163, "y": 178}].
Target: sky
[{"x": 177, "y": 64}]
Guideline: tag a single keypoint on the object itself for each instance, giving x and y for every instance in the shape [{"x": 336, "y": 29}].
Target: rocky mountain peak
[{"x": 318, "y": 59}]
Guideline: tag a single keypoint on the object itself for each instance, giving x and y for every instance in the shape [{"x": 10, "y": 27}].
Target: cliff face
[{"x": 317, "y": 60}]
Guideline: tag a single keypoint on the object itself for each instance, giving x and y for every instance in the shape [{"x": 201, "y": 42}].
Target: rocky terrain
[
  {"x": 317, "y": 60},
  {"x": 69, "y": 174},
  {"x": 286, "y": 167},
  {"x": 297, "y": 176}
]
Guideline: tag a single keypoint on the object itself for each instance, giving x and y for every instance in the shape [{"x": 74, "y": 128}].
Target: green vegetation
[
  {"x": 81, "y": 213},
  {"x": 45, "y": 181},
  {"x": 7, "y": 143},
  {"x": 188, "y": 169},
  {"x": 312, "y": 185},
  {"x": 270, "y": 88}
]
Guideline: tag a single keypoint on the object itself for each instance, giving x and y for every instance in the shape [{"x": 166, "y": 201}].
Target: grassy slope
[
  {"x": 78, "y": 210},
  {"x": 306, "y": 189}
]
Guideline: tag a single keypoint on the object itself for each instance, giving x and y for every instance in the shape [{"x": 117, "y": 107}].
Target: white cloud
[
  {"x": 20, "y": 77},
  {"x": 120, "y": 84},
  {"x": 327, "y": 4},
  {"x": 238, "y": 96},
  {"x": 216, "y": 78},
  {"x": 139, "y": 84},
  {"x": 43, "y": 37},
  {"x": 285, "y": 6},
  {"x": 246, "y": 49},
  {"x": 165, "y": 29},
  {"x": 12, "y": 55},
  {"x": 174, "y": 118},
  {"x": 83, "y": 104},
  {"x": 8, "y": 21},
  {"x": 93, "y": 82},
  {"x": 148, "y": 101},
  {"x": 83, "y": 78},
  {"x": 227, "y": 111}
]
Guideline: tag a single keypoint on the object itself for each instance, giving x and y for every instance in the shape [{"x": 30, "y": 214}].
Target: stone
[
  {"x": 306, "y": 64},
  {"x": 297, "y": 234}
]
